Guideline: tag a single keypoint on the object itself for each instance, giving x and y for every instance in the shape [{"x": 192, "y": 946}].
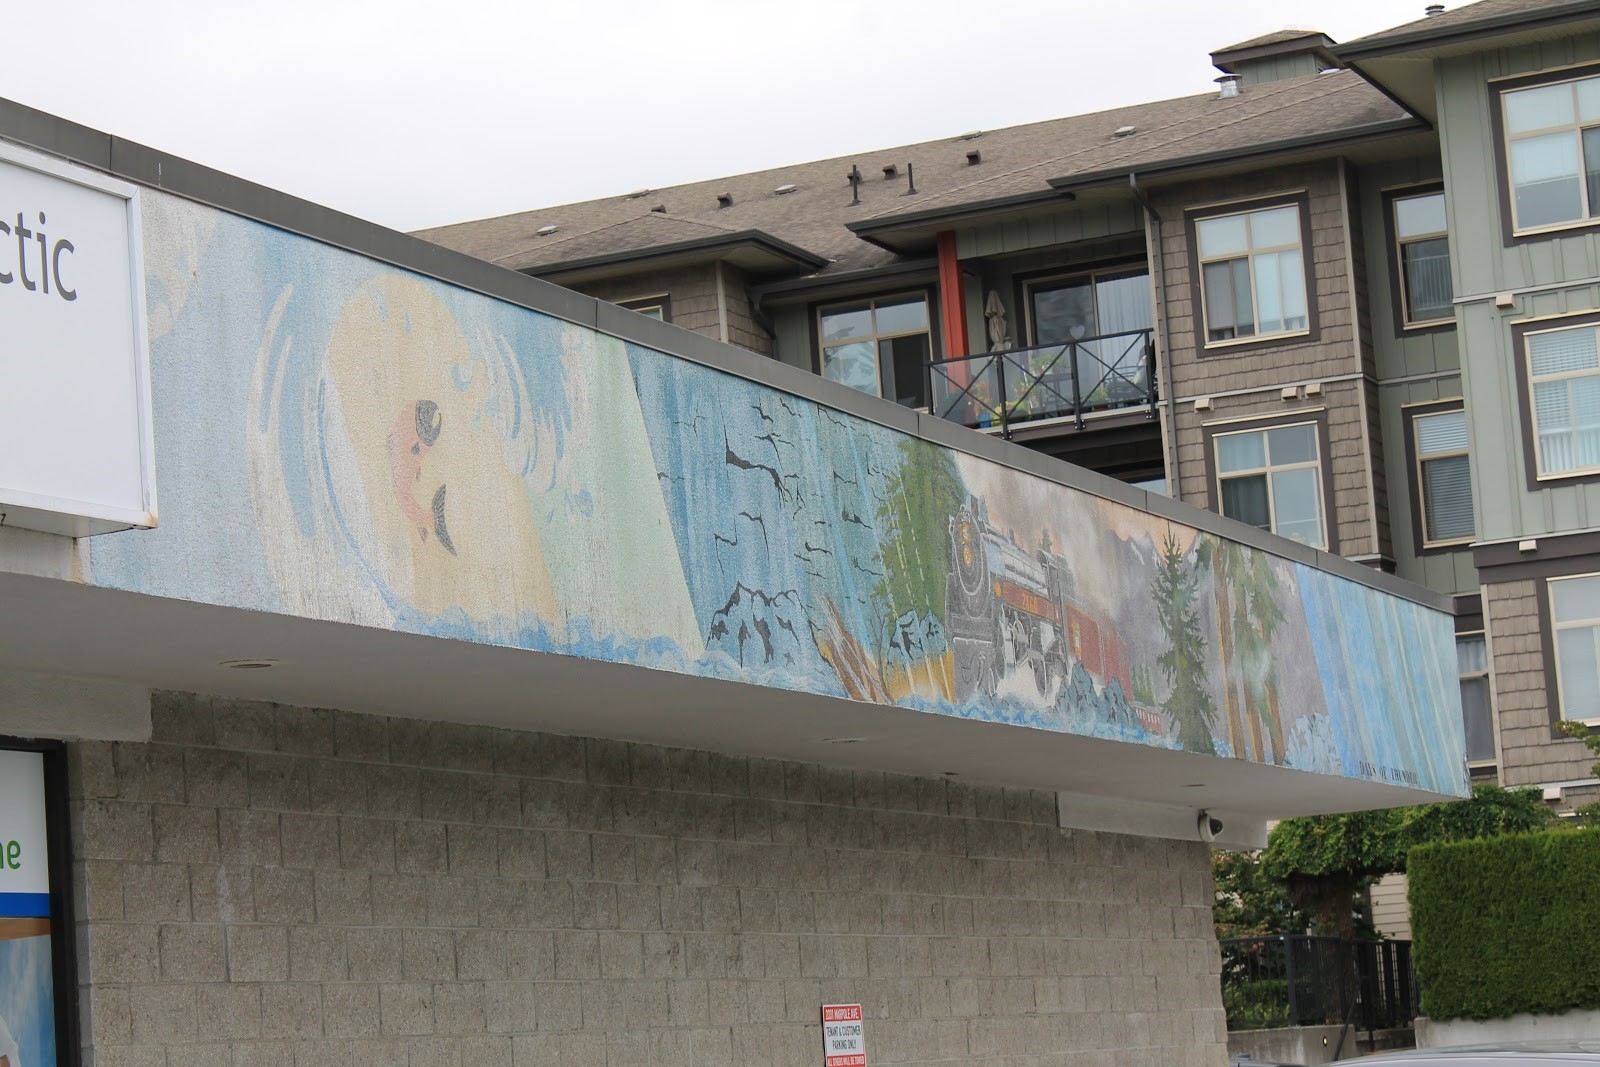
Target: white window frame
[
  {"x": 1532, "y": 410},
  {"x": 1249, "y": 256},
  {"x": 1400, "y": 243},
  {"x": 1315, "y": 463},
  {"x": 1485, "y": 675},
  {"x": 872, "y": 302},
  {"x": 1591, "y": 212},
  {"x": 1556, "y": 629},
  {"x": 1419, "y": 480},
  {"x": 644, "y": 305}
]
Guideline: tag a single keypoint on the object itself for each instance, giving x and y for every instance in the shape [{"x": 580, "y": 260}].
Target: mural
[{"x": 388, "y": 450}]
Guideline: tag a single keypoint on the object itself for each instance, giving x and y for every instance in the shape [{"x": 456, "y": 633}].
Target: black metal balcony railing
[
  {"x": 1297, "y": 980},
  {"x": 1000, "y": 390}
]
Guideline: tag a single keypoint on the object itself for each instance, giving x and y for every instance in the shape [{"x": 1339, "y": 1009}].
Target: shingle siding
[
  {"x": 1257, "y": 374},
  {"x": 1530, "y": 754}
]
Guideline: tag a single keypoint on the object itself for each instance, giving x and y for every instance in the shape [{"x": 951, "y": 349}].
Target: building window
[
  {"x": 658, "y": 306},
  {"x": 1422, "y": 254},
  {"x": 1252, "y": 274},
  {"x": 1442, "y": 476},
  {"x": 1575, "y": 622},
  {"x": 1552, "y": 146},
  {"x": 1472, "y": 665},
  {"x": 879, "y": 346},
  {"x": 1564, "y": 385},
  {"x": 1272, "y": 478}
]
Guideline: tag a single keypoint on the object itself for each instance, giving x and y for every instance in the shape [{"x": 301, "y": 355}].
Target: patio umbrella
[{"x": 995, "y": 312}]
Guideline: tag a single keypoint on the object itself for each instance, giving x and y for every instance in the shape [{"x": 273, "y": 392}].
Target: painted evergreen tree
[
  {"x": 1175, "y": 587},
  {"x": 913, "y": 522},
  {"x": 914, "y": 527}
]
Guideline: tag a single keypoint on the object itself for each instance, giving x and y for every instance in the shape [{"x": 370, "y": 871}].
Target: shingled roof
[
  {"x": 1465, "y": 20},
  {"x": 971, "y": 171}
]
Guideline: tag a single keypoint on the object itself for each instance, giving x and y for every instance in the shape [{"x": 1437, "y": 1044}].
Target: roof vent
[
  {"x": 724, "y": 199},
  {"x": 1124, "y": 131},
  {"x": 545, "y": 231},
  {"x": 637, "y": 194},
  {"x": 1433, "y": 9},
  {"x": 890, "y": 171},
  {"x": 659, "y": 209},
  {"x": 1228, "y": 85},
  {"x": 785, "y": 189},
  {"x": 974, "y": 157},
  {"x": 970, "y": 135}
]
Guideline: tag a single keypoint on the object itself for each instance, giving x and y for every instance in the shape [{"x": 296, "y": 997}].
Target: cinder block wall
[{"x": 265, "y": 885}]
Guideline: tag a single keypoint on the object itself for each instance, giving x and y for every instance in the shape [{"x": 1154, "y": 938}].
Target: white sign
[
  {"x": 24, "y": 860},
  {"x": 76, "y": 451},
  {"x": 844, "y": 1039}
]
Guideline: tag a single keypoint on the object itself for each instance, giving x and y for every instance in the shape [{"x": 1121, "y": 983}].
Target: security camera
[{"x": 1209, "y": 826}]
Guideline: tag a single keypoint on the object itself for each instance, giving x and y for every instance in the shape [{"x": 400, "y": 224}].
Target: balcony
[{"x": 1066, "y": 384}]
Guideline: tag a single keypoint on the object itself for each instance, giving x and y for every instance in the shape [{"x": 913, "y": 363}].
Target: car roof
[{"x": 1528, "y": 1053}]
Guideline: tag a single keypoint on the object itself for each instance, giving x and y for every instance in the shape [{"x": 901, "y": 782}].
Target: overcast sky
[{"x": 419, "y": 113}]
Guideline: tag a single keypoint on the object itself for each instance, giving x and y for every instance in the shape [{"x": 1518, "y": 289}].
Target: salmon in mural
[{"x": 391, "y": 451}]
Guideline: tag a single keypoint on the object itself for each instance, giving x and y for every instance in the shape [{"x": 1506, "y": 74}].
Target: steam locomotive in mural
[{"x": 1008, "y": 611}]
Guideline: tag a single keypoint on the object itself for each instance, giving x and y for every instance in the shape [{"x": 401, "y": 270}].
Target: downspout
[
  {"x": 722, "y": 306},
  {"x": 1152, "y": 239}
]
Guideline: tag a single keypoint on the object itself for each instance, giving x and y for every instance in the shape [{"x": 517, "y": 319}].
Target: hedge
[{"x": 1507, "y": 924}]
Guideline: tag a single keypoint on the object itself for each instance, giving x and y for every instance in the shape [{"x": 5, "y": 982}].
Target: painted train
[{"x": 1008, "y": 611}]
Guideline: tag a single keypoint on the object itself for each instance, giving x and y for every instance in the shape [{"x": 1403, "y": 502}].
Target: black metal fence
[
  {"x": 1020, "y": 385},
  {"x": 1298, "y": 980}
]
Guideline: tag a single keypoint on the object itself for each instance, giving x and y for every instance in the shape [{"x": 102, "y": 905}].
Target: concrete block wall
[{"x": 263, "y": 884}]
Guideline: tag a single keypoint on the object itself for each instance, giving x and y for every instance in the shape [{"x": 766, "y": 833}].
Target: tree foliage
[
  {"x": 1249, "y": 904},
  {"x": 1590, "y": 813},
  {"x": 1325, "y": 860}
]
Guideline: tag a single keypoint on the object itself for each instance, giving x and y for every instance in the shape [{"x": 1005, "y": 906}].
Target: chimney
[
  {"x": 1228, "y": 85},
  {"x": 1433, "y": 9}
]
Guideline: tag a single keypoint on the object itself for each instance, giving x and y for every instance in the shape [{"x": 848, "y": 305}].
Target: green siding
[
  {"x": 1399, "y": 353},
  {"x": 1447, "y": 571},
  {"x": 1484, "y": 266},
  {"x": 1276, "y": 68},
  {"x": 792, "y": 343},
  {"x": 1043, "y": 231}
]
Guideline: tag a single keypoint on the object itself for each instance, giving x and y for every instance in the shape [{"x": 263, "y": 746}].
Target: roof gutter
[
  {"x": 743, "y": 239},
  {"x": 1470, "y": 31},
  {"x": 866, "y": 229},
  {"x": 811, "y": 282},
  {"x": 1373, "y": 132}
]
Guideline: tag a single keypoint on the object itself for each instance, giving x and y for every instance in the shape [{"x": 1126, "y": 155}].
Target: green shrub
[
  {"x": 1259, "y": 1005},
  {"x": 1508, "y": 924}
]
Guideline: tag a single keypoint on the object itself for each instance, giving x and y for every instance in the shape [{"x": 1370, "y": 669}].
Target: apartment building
[{"x": 1349, "y": 297}]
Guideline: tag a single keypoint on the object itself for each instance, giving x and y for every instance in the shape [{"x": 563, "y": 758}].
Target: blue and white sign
[
  {"x": 76, "y": 452},
  {"x": 27, "y": 980}
]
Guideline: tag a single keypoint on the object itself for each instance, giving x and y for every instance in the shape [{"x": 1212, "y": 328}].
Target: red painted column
[{"x": 952, "y": 301}]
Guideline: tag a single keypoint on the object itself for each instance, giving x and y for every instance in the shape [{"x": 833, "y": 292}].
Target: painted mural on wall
[{"x": 386, "y": 450}]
